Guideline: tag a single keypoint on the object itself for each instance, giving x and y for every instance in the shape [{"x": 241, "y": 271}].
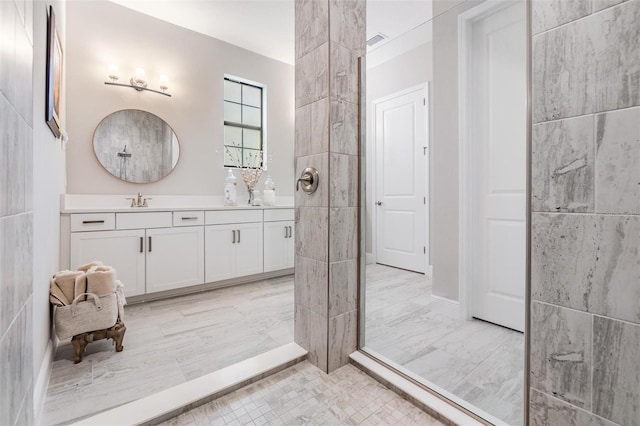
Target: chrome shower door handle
[{"x": 309, "y": 179}]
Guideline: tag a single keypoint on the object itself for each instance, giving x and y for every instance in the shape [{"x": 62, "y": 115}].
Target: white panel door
[
  {"x": 249, "y": 249},
  {"x": 123, "y": 250},
  {"x": 278, "y": 247},
  {"x": 497, "y": 141},
  {"x": 220, "y": 252},
  {"x": 401, "y": 141},
  {"x": 175, "y": 257}
]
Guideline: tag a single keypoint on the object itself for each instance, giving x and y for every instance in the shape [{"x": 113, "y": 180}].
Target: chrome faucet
[{"x": 139, "y": 201}]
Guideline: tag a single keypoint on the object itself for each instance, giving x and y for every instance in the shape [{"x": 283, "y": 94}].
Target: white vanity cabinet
[
  {"x": 148, "y": 254},
  {"x": 279, "y": 246},
  {"x": 234, "y": 247},
  {"x": 157, "y": 250}
]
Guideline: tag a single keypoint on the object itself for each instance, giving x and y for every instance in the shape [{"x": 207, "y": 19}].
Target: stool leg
[
  {"x": 119, "y": 337},
  {"x": 79, "y": 345}
]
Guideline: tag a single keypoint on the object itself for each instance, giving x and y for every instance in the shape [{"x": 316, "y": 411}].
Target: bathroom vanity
[{"x": 164, "y": 251}]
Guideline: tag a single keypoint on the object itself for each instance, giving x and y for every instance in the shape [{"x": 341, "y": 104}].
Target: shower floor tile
[{"x": 305, "y": 395}]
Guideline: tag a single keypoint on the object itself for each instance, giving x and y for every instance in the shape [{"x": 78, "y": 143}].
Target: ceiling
[{"x": 267, "y": 26}]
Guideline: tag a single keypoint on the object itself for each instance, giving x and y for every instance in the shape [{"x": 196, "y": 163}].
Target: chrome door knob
[{"x": 379, "y": 203}]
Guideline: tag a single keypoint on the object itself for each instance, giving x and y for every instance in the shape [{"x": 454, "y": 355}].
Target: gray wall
[
  {"x": 585, "y": 314},
  {"x": 99, "y": 33},
  {"x": 48, "y": 183},
  {"x": 444, "y": 149},
  {"x": 402, "y": 72},
  {"x": 16, "y": 212}
]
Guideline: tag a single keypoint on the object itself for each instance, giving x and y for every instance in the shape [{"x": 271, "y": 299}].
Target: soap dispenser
[
  {"x": 230, "y": 192},
  {"x": 269, "y": 194}
]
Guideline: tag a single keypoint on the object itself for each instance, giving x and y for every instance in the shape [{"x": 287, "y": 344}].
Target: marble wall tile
[
  {"x": 312, "y": 232},
  {"x": 548, "y": 411},
  {"x": 312, "y": 128},
  {"x": 343, "y": 334},
  {"x": 344, "y": 128},
  {"x": 312, "y": 78},
  {"x": 344, "y": 74},
  {"x": 318, "y": 344},
  {"x": 311, "y": 285},
  {"x": 563, "y": 67},
  {"x": 8, "y": 23},
  {"x": 301, "y": 326},
  {"x": 12, "y": 159},
  {"x": 561, "y": 356},
  {"x": 562, "y": 161},
  {"x": 311, "y": 25},
  {"x": 23, "y": 74},
  {"x": 617, "y": 71},
  {"x": 347, "y": 22},
  {"x": 617, "y": 161},
  {"x": 616, "y": 377},
  {"x": 549, "y": 14},
  {"x": 321, "y": 196},
  {"x": 587, "y": 262},
  {"x": 16, "y": 276},
  {"x": 343, "y": 287},
  {"x": 343, "y": 185},
  {"x": 16, "y": 365},
  {"x": 603, "y": 4},
  {"x": 343, "y": 234}
]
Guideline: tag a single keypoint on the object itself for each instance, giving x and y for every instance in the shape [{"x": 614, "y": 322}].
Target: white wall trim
[
  {"x": 444, "y": 306},
  {"x": 370, "y": 258},
  {"x": 42, "y": 382}
]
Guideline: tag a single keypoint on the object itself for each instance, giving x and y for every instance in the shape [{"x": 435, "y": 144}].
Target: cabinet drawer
[
  {"x": 143, "y": 220},
  {"x": 273, "y": 215},
  {"x": 93, "y": 222},
  {"x": 232, "y": 216},
  {"x": 190, "y": 218}
]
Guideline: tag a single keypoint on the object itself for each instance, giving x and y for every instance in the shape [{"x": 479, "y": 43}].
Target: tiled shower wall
[
  {"x": 329, "y": 39},
  {"x": 585, "y": 332},
  {"x": 16, "y": 218}
]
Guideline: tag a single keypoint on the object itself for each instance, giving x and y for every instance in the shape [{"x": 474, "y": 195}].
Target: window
[{"x": 244, "y": 144}]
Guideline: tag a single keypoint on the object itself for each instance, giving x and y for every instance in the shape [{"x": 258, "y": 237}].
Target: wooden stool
[{"x": 80, "y": 341}]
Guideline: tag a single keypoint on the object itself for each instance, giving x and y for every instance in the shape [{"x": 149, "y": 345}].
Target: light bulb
[
  {"x": 113, "y": 72},
  {"x": 164, "y": 83},
  {"x": 138, "y": 80},
  {"x": 140, "y": 75}
]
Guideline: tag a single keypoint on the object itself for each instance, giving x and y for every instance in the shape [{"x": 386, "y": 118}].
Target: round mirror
[{"x": 136, "y": 146}]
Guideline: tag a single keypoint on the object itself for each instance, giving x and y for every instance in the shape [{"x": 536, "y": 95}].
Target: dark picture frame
[{"x": 54, "y": 77}]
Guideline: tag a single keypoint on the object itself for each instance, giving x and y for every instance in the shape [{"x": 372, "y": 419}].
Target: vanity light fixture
[{"x": 138, "y": 81}]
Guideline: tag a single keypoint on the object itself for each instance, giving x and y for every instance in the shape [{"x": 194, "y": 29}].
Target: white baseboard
[
  {"x": 448, "y": 307},
  {"x": 370, "y": 259},
  {"x": 42, "y": 382}
]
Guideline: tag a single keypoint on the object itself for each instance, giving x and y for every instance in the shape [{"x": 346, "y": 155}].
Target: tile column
[{"x": 330, "y": 36}]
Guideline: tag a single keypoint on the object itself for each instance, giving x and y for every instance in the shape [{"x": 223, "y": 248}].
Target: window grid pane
[{"x": 243, "y": 124}]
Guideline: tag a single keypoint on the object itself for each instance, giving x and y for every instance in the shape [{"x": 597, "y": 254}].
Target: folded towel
[
  {"x": 80, "y": 285},
  {"x": 66, "y": 281},
  {"x": 101, "y": 280},
  {"x": 89, "y": 265},
  {"x": 56, "y": 296}
]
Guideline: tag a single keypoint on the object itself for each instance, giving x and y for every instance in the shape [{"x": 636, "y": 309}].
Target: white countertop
[{"x": 91, "y": 203}]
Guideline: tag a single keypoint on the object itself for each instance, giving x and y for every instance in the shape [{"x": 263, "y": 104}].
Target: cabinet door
[
  {"x": 249, "y": 249},
  {"x": 220, "y": 255},
  {"x": 175, "y": 257},
  {"x": 123, "y": 250},
  {"x": 290, "y": 250},
  {"x": 276, "y": 245}
]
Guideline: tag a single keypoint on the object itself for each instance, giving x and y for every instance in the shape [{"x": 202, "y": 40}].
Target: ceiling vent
[{"x": 376, "y": 39}]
